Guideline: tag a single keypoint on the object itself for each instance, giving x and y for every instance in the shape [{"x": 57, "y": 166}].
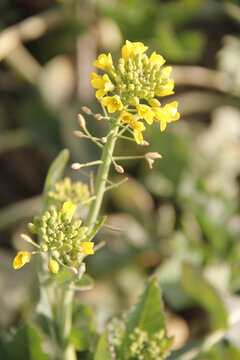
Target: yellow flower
[
  {"x": 156, "y": 59},
  {"x": 22, "y": 258},
  {"x": 69, "y": 207},
  {"x": 166, "y": 71},
  {"x": 166, "y": 114},
  {"x": 126, "y": 116},
  {"x": 145, "y": 112},
  {"x": 87, "y": 247},
  {"x": 137, "y": 126},
  {"x": 167, "y": 89},
  {"x": 113, "y": 103},
  {"x": 104, "y": 62},
  {"x": 53, "y": 266},
  {"x": 102, "y": 83},
  {"x": 132, "y": 49}
]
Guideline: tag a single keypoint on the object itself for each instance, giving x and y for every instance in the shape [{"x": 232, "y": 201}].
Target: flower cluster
[
  {"x": 134, "y": 84},
  {"x": 65, "y": 190},
  {"x": 61, "y": 237},
  {"x": 144, "y": 347}
]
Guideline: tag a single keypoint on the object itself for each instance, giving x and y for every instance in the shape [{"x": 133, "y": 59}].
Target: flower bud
[
  {"x": 119, "y": 169},
  {"x": 32, "y": 228},
  {"x": 121, "y": 61},
  {"x": 154, "y": 102},
  {"x": 131, "y": 87},
  {"x": 130, "y": 76},
  {"x": 81, "y": 120},
  {"x": 144, "y": 143},
  {"x": 76, "y": 166},
  {"x": 104, "y": 140},
  {"x": 79, "y": 134},
  {"x": 44, "y": 248},
  {"x": 53, "y": 266},
  {"x": 121, "y": 69},
  {"x": 134, "y": 100},
  {"x": 98, "y": 116},
  {"x": 73, "y": 270},
  {"x": 86, "y": 110}
]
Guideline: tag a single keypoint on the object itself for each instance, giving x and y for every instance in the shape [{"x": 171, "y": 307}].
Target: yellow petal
[
  {"x": 138, "y": 136},
  {"x": 22, "y": 258},
  {"x": 69, "y": 207},
  {"x": 87, "y": 247}
]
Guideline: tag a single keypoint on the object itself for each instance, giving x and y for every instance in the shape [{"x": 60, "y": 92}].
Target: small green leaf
[
  {"x": 25, "y": 345},
  {"x": 85, "y": 283},
  {"x": 55, "y": 171},
  {"x": 205, "y": 294},
  {"x": 63, "y": 276},
  {"x": 147, "y": 315},
  {"x": 103, "y": 351}
]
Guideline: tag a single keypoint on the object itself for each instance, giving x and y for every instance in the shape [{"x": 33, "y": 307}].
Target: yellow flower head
[
  {"x": 69, "y": 207},
  {"x": 145, "y": 112},
  {"x": 87, "y": 247},
  {"x": 132, "y": 49},
  {"x": 156, "y": 59},
  {"x": 53, "y": 266},
  {"x": 22, "y": 258},
  {"x": 104, "y": 62},
  {"x": 166, "y": 114},
  {"x": 137, "y": 126},
  {"x": 102, "y": 83},
  {"x": 113, "y": 103}
]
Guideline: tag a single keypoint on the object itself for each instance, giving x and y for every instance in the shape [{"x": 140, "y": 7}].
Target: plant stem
[
  {"x": 102, "y": 175},
  {"x": 64, "y": 324}
]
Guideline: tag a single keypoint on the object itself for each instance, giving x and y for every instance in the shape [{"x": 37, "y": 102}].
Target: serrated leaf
[
  {"x": 55, "y": 171},
  {"x": 205, "y": 294},
  {"x": 25, "y": 345},
  {"x": 148, "y": 314}
]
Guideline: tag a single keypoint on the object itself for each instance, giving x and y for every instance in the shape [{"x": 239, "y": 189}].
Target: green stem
[
  {"x": 102, "y": 174},
  {"x": 64, "y": 324}
]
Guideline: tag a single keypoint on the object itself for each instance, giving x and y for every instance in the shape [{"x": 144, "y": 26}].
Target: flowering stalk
[
  {"x": 127, "y": 93},
  {"x": 102, "y": 174}
]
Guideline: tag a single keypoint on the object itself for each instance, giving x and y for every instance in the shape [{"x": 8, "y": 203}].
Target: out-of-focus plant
[{"x": 129, "y": 92}]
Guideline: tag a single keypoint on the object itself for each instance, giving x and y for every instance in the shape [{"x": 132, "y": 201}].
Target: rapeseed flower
[{"x": 132, "y": 87}]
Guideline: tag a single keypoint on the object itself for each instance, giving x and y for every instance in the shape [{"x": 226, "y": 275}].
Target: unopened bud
[
  {"x": 86, "y": 110},
  {"x": 32, "y": 228},
  {"x": 53, "y": 266},
  {"x": 104, "y": 140},
  {"x": 121, "y": 68},
  {"x": 154, "y": 102},
  {"x": 121, "y": 61},
  {"x": 44, "y": 248},
  {"x": 119, "y": 169},
  {"x": 79, "y": 134},
  {"x": 144, "y": 143},
  {"x": 98, "y": 116},
  {"x": 134, "y": 100},
  {"x": 73, "y": 270},
  {"x": 81, "y": 120},
  {"x": 76, "y": 166}
]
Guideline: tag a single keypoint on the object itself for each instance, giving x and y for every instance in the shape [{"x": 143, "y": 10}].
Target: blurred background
[{"x": 180, "y": 220}]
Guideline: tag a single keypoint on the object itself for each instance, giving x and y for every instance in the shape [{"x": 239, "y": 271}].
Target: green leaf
[
  {"x": 103, "y": 348},
  {"x": 201, "y": 291},
  {"x": 55, "y": 171},
  {"x": 85, "y": 283},
  {"x": 25, "y": 345},
  {"x": 148, "y": 314}
]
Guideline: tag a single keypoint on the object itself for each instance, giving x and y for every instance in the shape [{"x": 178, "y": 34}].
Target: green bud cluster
[
  {"x": 60, "y": 236},
  {"x": 65, "y": 190},
  {"x": 139, "y": 79},
  {"x": 144, "y": 347}
]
